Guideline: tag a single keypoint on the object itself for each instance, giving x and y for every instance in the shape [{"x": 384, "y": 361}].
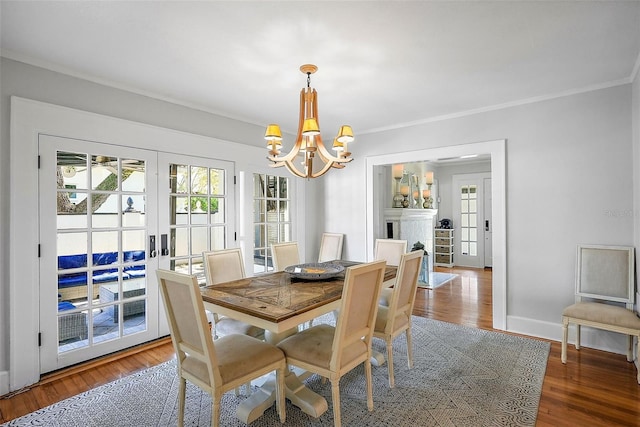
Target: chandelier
[{"x": 308, "y": 140}]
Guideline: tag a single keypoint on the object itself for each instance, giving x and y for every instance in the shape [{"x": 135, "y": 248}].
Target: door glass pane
[
  {"x": 105, "y": 210},
  {"x": 218, "y": 238},
  {"x": 133, "y": 175},
  {"x": 199, "y": 242},
  {"x": 217, "y": 210},
  {"x": 216, "y": 177},
  {"x": 199, "y": 180}
]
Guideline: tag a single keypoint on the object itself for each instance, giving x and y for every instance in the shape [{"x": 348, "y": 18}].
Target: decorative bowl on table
[{"x": 314, "y": 270}]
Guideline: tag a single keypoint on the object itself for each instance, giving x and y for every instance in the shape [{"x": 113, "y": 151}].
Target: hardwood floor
[{"x": 594, "y": 388}]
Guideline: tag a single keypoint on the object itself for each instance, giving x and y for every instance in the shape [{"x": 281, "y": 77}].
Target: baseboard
[
  {"x": 4, "y": 382},
  {"x": 590, "y": 337}
]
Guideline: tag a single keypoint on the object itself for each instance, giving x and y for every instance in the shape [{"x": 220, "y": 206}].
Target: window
[{"x": 271, "y": 218}]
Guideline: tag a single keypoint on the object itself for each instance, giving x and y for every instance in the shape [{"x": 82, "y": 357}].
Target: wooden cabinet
[{"x": 444, "y": 247}]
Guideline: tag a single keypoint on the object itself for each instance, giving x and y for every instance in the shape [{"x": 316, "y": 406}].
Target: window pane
[
  {"x": 105, "y": 209},
  {"x": 464, "y": 248},
  {"x": 473, "y": 234},
  {"x": 464, "y": 234},
  {"x": 216, "y": 179},
  {"x": 217, "y": 238},
  {"x": 217, "y": 210},
  {"x": 199, "y": 180},
  {"x": 464, "y": 206},
  {"x": 473, "y": 249},
  {"x": 473, "y": 205}
]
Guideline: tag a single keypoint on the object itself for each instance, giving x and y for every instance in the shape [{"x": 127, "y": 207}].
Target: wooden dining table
[{"x": 278, "y": 303}]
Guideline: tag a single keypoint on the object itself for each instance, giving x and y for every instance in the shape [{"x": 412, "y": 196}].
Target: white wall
[{"x": 569, "y": 181}]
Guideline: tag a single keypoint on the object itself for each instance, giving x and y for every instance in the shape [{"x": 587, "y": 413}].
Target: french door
[
  {"x": 469, "y": 219},
  {"x": 109, "y": 217}
]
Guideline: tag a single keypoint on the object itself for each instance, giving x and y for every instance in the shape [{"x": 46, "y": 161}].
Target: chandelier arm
[{"x": 326, "y": 156}]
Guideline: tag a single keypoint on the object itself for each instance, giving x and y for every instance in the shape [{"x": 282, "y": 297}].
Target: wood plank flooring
[{"x": 594, "y": 388}]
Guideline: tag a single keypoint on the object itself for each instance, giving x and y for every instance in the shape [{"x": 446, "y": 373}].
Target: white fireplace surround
[{"x": 412, "y": 225}]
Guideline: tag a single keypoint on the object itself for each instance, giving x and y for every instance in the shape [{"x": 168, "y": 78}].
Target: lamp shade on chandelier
[{"x": 308, "y": 144}]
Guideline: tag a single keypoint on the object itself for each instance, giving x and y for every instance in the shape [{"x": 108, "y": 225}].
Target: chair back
[
  {"x": 223, "y": 265},
  {"x": 389, "y": 250},
  {"x": 404, "y": 292},
  {"x": 284, "y": 255},
  {"x": 190, "y": 335},
  {"x": 355, "y": 325},
  {"x": 605, "y": 273},
  {"x": 330, "y": 247}
]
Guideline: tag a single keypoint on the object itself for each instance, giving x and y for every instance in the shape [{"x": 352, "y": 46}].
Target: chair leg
[
  {"x": 335, "y": 396},
  {"x": 215, "y": 410},
  {"x": 368, "y": 376},
  {"x": 638, "y": 362},
  {"x": 280, "y": 397},
  {"x": 577, "y": 336},
  {"x": 565, "y": 336},
  {"x": 409, "y": 348},
  {"x": 182, "y": 391},
  {"x": 630, "y": 348},
  {"x": 389, "y": 341}
]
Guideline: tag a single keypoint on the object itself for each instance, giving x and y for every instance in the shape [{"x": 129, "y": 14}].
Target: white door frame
[
  {"x": 497, "y": 150},
  {"x": 31, "y": 118}
]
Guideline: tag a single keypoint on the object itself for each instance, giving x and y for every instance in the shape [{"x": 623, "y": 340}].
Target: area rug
[
  {"x": 437, "y": 279},
  {"x": 461, "y": 377}
]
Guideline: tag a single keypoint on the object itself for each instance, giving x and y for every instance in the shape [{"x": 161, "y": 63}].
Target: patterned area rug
[
  {"x": 437, "y": 279},
  {"x": 461, "y": 377}
]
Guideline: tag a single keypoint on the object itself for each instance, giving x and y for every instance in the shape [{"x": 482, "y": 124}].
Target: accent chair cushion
[
  {"x": 314, "y": 346},
  {"x": 603, "y": 313}
]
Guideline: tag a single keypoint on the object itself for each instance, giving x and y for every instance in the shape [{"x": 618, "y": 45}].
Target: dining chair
[
  {"x": 389, "y": 250},
  {"x": 284, "y": 255},
  {"x": 223, "y": 266},
  {"x": 394, "y": 319},
  {"x": 330, "y": 351},
  {"x": 330, "y": 247},
  {"x": 605, "y": 287},
  {"x": 216, "y": 367}
]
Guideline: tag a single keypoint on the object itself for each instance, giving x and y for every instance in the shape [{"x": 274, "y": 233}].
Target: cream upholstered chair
[
  {"x": 216, "y": 367},
  {"x": 395, "y": 319},
  {"x": 284, "y": 255},
  {"x": 332, "y": 352},
  {"x": 604, "y": 278},
  {"x": 330, "y": 247},
  {"x": 223, "y": 266},
  {"x": 389, "y": 250}
]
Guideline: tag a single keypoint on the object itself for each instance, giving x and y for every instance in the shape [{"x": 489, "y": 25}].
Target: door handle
[
  {"x": 164, "y": 250},
  {"x": 152, "y": 247},
  {"x": 486, "y": 225}
]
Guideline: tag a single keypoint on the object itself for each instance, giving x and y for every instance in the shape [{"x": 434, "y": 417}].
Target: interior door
[
  {"x": 468, "y": 212},
  {"x": 96, "y": 293}
]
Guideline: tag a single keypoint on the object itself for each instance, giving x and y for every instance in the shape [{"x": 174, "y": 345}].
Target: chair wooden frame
[
  {"x": 604, "y": 277},
  {"x": 284, "y": 254},
  {"x": 244, "y": 358},
  {"x": 350, "y": 340},
  {"x": 394, "y": 319},
  {"x": 331, "y": 247}
]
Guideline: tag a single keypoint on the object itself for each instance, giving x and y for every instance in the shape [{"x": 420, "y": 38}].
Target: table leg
[{"x": 309, "y": 402}]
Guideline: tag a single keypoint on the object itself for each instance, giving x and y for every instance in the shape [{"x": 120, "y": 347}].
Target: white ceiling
[{"x": 382, "y": 64}]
